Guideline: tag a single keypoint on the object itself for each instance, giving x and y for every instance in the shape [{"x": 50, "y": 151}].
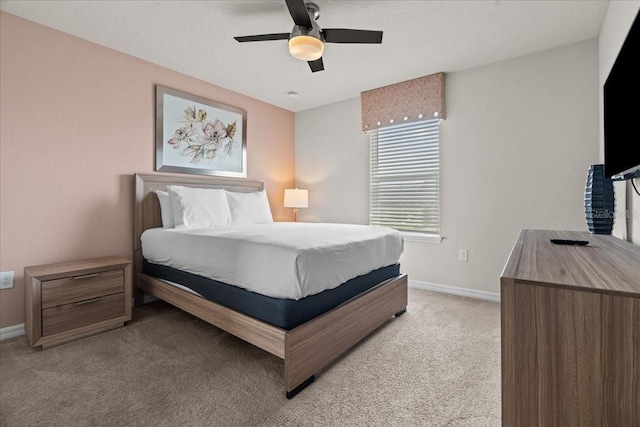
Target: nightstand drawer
[
  {"x": 81, "y": 287},
  {"x": 70, "y": 316}
]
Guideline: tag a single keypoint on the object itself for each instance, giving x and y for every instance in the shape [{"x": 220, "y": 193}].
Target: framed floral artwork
[{"x": 199, "y": 136}]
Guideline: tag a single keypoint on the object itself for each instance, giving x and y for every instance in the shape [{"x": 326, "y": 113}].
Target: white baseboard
[
  {"x": 11, "y": 331},
  {"x": 465, "y": 292}
]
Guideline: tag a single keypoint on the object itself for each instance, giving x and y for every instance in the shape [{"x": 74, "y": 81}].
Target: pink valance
[{"x": 408, "y": 101}]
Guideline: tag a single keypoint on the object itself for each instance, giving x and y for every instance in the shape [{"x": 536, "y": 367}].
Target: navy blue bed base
[{"x": 283, "y": 313}]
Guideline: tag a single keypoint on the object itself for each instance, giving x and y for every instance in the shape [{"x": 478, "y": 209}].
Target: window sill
[{"x": 422, "y": 238}]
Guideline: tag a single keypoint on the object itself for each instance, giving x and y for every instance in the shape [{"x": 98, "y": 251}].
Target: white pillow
[
  {"x": 249, "y": 208},
  {"x": 199, "y": 207},
  {"x": 166, "y": 210}
]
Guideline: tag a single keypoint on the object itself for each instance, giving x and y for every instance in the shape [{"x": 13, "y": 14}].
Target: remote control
[{"x": 569, "y": 242}]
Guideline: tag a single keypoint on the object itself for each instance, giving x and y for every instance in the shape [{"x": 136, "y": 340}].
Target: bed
[{"x": 306, "y": 345}]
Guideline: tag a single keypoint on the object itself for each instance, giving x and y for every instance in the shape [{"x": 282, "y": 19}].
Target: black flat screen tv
[{"x": 622, "y": 110}]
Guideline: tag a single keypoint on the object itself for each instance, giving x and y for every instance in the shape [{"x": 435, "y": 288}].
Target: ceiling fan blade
[
  {"x": 316, "y": 65},
  {"x": 263, "y": 37},
  {"x": 298, "y": 11},
  {"x": 344, "y": 35}
]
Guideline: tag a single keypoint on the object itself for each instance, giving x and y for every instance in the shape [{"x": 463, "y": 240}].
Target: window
[{"x": 405, "y": 177}]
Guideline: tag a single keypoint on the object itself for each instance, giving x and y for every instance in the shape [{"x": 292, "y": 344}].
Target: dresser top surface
[{"x": 606, "y": 264}]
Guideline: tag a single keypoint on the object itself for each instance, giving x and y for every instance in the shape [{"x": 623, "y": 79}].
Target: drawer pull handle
[
  {"x": 89, "y": 301},
  {"x": 86, "y": 276}
]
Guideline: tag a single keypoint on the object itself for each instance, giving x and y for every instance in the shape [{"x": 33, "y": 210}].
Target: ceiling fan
[{"x": 307, "y": 39}]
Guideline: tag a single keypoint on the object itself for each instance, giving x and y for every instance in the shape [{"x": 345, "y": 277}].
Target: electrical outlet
[
  {"x": 463, "y": 255},
  {"x": 6, "y": 280}
]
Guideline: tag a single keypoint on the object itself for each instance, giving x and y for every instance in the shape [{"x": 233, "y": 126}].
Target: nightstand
[{"x": 70, "y": 300}]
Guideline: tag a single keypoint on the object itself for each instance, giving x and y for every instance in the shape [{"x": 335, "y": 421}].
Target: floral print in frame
[{"x": 198, "y": 135}]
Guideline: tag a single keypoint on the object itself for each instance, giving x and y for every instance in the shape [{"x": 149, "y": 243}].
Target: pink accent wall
[{"x": 76, "y": 122}]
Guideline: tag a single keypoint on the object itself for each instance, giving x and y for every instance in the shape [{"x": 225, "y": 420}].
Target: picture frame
[{"x": 195, "y": 135}]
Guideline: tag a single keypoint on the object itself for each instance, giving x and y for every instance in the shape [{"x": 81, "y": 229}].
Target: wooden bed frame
[{"x": 305, "y": 349}]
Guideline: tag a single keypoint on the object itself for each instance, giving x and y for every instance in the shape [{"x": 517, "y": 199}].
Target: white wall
[
  {"x": 620, "y": 16},
  {"x": 332, "y": 157},
  {"x": 515, "y": 149}
]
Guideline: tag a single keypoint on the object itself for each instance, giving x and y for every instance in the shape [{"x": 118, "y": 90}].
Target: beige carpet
[{"x": 437, "y": 365}]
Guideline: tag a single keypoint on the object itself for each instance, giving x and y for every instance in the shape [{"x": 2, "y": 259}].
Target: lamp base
[{"x": 295, "y": 214}]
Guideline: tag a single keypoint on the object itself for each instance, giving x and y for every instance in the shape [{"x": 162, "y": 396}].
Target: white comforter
[{"x": 280, "y": 259}]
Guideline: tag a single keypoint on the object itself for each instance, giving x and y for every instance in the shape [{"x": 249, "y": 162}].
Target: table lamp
[{"x": 295, "y": 199}]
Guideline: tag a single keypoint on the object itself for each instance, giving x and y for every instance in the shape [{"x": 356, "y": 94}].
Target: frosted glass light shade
[
  {"x": 306, "y": 48},
  {"x": 296, "y": 198}
]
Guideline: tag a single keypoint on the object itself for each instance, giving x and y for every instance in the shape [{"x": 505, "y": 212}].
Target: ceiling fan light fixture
[
  {"x": 307, "y": 39},
  {"x": 306, "y": 48}
]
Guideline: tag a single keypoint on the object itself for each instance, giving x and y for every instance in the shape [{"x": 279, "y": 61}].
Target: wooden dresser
[
  {"x": 571, "y": 332},
  {"x": 69, "y": 300}
]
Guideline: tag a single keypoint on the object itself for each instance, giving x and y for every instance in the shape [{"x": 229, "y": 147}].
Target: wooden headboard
[{"x": 146, "y": 211}]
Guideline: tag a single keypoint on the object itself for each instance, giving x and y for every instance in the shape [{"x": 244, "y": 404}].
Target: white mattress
[{"x": 281, "y": 259}]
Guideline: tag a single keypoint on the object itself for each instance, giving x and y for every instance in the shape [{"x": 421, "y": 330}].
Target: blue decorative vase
[{"x": 599, "y": 201}]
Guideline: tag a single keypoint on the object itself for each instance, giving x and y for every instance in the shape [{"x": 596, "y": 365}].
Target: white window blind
[{"x": 405, "y": 177}]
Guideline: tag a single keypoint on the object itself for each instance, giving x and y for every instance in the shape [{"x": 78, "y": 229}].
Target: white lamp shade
[{"x": 296, "y": 198}]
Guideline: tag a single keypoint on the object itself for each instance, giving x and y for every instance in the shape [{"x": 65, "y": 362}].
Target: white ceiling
[{"x": 420, "y": 38}]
